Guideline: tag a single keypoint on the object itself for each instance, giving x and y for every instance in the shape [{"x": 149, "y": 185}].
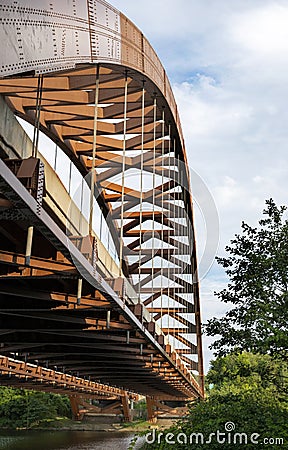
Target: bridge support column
[
  {"x": 161, "y": 409},
  {"x": 126, "y": 409},
  {"x": 116, "y": 407},
  {"x": 29, "y": 242},
  {"x": 74, "y": 402},
  {"x": 151, "y": 410}
]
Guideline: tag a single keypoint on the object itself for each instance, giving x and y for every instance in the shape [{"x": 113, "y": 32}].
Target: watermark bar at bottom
[{"x": 227, "y": 437}]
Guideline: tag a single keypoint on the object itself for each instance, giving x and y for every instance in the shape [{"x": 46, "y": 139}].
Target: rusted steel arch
[{"x": 88, "y": 54}]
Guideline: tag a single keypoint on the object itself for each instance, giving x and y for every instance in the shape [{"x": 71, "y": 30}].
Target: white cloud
[
  {"x": 263, "y": 31},
  {"x": 208, "y": 109}
]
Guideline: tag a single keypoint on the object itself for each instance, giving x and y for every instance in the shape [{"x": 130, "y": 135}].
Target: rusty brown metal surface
[
  {"x": 69, "y": 384},
  {"x": 65, "y": 339}
]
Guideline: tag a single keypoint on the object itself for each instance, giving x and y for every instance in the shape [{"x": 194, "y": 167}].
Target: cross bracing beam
[{"x": 22, "y": 371}]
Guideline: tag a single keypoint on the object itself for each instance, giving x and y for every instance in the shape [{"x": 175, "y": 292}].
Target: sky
[{"x": 227, "y": 62}]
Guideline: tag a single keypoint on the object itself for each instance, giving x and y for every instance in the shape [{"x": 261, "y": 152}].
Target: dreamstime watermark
[{"x": 228, "y": 436}]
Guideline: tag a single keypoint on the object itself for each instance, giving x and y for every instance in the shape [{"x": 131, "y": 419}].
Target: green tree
[
  {"x": 257, "y": 268},
  {"x": 260, "y": 369},
  {"x": 244, "y": 397},
  {"x": 25, "y": 408}
]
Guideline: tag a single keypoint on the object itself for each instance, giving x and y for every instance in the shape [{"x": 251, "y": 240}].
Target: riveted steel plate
[
  {"x": 50, "y": 35},
  {"x": 105, "y": 31},
  {"x": 43, "y": 36}
]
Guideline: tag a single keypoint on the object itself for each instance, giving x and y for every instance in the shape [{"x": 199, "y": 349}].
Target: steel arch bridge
[{"x": 111, "y": 294}]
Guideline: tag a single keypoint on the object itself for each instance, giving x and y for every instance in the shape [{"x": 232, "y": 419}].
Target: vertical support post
[
  {"x": 162, "y": 216},
  {"x": 123, "y": 177},
  {"x": 169, "y": 207},
  {"x": 70, "y": 175},
  {"x": 153, "y": 199},
  {"x": 181, "y": 245},
  {"x": 81, "y": 206},
  {"x": 37, "y": 116},
  {"x": 29, "y": 245},
  {"x": 55, "y": 158},
  {"x": 74, "y": 402},
  {"x": 79, "y": 290},
  {"x": 141, "y": 191},
  {"x": 93, "y": 177},
  {"x": 126, "y": 409},
  {"x": 151, "y": 413}
]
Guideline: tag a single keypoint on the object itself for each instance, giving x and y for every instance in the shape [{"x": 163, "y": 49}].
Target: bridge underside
[{"x": 42, "y": 320}]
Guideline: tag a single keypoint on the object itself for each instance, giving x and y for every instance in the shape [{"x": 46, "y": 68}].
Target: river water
[{"x": 68, "y": 440}]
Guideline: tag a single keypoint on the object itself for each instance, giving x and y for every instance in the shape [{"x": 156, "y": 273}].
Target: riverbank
[{"x": 65, "y": 424}]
